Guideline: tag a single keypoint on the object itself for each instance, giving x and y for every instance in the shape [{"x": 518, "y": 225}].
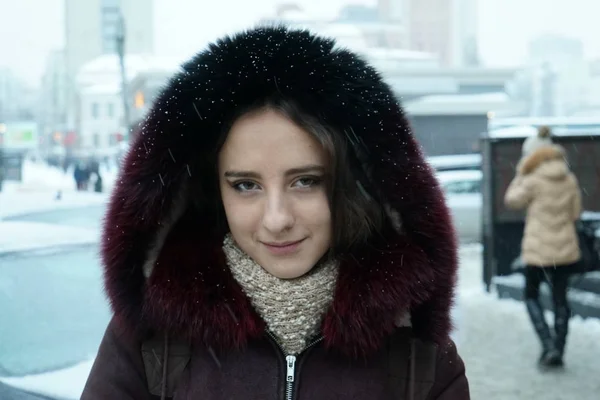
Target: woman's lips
[{"x": 284, "y": 248}]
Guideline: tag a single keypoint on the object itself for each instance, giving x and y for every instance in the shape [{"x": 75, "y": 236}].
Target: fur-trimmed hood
[
  {"x": 548, "y": 161},
  {"x": 164, "y": 265}
]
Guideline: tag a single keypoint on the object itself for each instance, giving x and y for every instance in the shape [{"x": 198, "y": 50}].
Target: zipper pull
[{"x": 291, "y": 366}]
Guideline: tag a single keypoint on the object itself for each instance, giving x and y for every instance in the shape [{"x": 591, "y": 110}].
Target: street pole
[{"x": 120, "y": 39}]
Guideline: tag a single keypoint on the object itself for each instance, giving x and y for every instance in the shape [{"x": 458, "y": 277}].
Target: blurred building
[
  {"x": 556, "y": 79},
  {"x": 100, "y": 118},
  {"x": 447, "y": 28},
  {"x": 563, "y": 74},
  {"x": 593, "y": 106},
  {"x": 147, "y": 86},
  {"x": 379, "y": 31},
  {"x": 452, "y": 124},
  {"x": 99, "y": 112},
  {"x": 91, "y": 27},
  {"x": 52, "y": 117},
  {"x": 17, "y": 100}
]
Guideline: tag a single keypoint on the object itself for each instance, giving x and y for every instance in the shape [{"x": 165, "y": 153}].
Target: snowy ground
[
  {"x": 500, "y": 349},
  {"x": 39, "y": 188},
  {"x": 23, "y": 236}
]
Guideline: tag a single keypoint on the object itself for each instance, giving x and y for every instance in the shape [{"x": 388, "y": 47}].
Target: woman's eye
[
  {"x": 307, "y": 182},
  {"x": 245, "y": 186}
]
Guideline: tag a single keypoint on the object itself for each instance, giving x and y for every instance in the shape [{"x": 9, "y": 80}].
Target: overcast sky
[{"x": 30, "y": 29}]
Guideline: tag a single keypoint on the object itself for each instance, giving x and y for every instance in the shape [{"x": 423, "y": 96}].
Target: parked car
[
  {"x": 456, "y": 162},
  {"x": 53, "y": 309},
  {"x": 463, "y": 195}
]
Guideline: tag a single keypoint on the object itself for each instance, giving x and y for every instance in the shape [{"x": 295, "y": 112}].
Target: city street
[{"x": 500, "y": 349}]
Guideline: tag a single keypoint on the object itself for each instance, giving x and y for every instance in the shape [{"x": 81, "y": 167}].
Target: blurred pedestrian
[
  {"x": 80, "y": 175},
  {"x": 541, "y": 139},
  {"x": 277, "y": 233},
  {"x": 549, "y": 191}
]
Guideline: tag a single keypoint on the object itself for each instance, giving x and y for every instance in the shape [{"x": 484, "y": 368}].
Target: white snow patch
[
  {"x": 14, "y": 203},
  {"x": 66, "y": 383},
  {"x": 39, "y": 188},
  {"x": 22, "y": 236},
  {"x": 38, "y": 175}
]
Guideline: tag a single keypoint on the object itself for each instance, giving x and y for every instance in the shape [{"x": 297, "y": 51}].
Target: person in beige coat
[{"x": 549, "y": 191}]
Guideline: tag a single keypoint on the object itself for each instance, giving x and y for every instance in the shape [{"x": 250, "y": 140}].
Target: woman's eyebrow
[{"x": 292, "y": 171}]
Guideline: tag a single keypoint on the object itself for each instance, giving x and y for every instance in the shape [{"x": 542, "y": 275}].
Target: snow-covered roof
[
  {"x": 459, "y": 104},
  {"x": 399, "y": 54},
  {"x": 346, "y": 35},
  {"x": 405, "y": 85},
  {"x": 455, "y": 160},
  {"x": 105, "y": 88},
  {"x": 466, "y": 98},
  {"x": 520, "y": 131},
  {"x": 549, "y": 121},
  {"x": 107, "y": 67},
  {"x": 457, "y": 176},
  {"x": 522, "y": 127}
]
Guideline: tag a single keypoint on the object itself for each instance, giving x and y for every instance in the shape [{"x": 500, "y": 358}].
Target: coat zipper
[{"x": 290, "y": 361}]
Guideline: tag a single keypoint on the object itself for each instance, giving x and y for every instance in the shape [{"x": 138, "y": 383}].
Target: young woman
[
  {"x": 549, "y": 191},
  {"x": 277, "y": 234}
]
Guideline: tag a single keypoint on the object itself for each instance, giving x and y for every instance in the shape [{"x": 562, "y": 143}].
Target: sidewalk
[
  {"x": 39, "y": 188},
  {"x": 500, "y": 349}
]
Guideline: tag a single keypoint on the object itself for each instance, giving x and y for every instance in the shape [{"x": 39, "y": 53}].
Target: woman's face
[{"x": 272, "y": 178}]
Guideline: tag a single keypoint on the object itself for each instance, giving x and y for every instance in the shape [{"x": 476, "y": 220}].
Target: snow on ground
[
  {"x": 63, "y": 384},
  {"x": 13, "y": 203},
  {"x": 39, "y": 188},
  {"x": 500, "y": 349},
  {"x": 22, "y": 236},
  {"x": 39, "y": 176}
]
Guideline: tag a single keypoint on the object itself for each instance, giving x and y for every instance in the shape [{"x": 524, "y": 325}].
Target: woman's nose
[{"x": 278, "y": 216}]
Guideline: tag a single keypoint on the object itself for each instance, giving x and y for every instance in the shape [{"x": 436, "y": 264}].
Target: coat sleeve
[
  {"x": 450, "y": 378},
  {"x": 519, "y": 193},
  {"x": 118, "y": 372}
]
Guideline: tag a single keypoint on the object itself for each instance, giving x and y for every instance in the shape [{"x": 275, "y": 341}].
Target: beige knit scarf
[{"x": 293, "y": 309}]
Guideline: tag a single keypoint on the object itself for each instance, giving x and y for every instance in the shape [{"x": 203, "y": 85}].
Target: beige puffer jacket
[{"x": 550, "y": 192}]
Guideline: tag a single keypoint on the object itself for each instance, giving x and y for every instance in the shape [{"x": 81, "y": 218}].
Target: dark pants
[{"x": 558, "y": 279}]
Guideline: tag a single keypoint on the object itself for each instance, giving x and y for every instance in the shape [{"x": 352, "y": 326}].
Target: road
[
  {"x": 53, "y": 308},
  {"x": 53, "y": 304},
  {"x": 10, "y": 393},
  {"x": 82, "y": 217}
]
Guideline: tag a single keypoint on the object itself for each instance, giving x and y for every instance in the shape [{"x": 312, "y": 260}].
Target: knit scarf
[{"x": 293, "y": 309}]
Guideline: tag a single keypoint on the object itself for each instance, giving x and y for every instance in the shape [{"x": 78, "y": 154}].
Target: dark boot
[
  {"x": 536, "y": 314},
  {"x": 561, "y": 328}
]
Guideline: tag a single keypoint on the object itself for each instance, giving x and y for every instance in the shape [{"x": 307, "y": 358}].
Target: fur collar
[{"x": 539, "y": 156}]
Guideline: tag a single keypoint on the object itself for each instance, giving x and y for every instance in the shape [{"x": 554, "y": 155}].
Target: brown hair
[
  {"x": 544, "y": 131},
  {"x": 356, "y": 212}
]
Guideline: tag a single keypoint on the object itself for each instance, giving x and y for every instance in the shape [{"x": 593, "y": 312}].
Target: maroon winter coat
[{"x": 166, "y": 273}]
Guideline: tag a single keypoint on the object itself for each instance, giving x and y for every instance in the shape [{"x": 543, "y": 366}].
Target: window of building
[
  {"x": 110, "y": 19},
  {"x": 96, "y": 139},
  {"x": 95, "y": 110},
  {"x": 110, "y": 110},
  {"x": 111, "y": 3}
]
